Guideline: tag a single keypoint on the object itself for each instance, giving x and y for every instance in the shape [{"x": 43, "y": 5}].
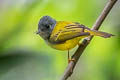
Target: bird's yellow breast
[{"x": 67, "y": 45}]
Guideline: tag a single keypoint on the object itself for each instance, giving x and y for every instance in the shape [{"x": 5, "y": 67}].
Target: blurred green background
[{"x": 25, "y": 56}]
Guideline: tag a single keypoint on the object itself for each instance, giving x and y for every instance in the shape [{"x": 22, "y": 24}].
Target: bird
[{"x": 65, "y": 35}]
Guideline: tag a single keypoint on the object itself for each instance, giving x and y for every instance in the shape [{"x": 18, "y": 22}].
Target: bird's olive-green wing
[{"x": 69, "y": 32}]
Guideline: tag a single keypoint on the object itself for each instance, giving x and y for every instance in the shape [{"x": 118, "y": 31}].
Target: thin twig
[{"x": 81, "y": 48}]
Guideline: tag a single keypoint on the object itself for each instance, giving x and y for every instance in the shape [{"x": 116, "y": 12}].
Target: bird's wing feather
[{"x": 68, "y": 32}]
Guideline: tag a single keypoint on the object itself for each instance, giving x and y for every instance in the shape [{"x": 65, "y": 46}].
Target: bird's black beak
[{"x": 37, "y": 32}]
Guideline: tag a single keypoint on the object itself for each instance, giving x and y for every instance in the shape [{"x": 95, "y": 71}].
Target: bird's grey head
[{"x": 45, "y": 26}]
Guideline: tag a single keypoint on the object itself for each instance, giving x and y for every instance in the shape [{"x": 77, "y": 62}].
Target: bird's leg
[{"x": 69, "y": 58}]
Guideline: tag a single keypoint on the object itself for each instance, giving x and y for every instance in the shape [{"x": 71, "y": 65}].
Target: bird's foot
[{"x": 69, "y": 60}]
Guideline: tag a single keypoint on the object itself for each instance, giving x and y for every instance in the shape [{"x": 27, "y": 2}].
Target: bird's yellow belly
[{"x": 69, "y": 44}]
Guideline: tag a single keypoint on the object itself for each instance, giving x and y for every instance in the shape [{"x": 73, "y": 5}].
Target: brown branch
[{"x": 81, "y": 48}]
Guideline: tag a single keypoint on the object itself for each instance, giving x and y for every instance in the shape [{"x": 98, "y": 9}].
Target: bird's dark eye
[{"x": 47, "y": 26}]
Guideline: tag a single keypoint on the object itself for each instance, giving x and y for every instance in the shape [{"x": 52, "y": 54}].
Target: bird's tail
[{"x": 99, "y": 33}]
